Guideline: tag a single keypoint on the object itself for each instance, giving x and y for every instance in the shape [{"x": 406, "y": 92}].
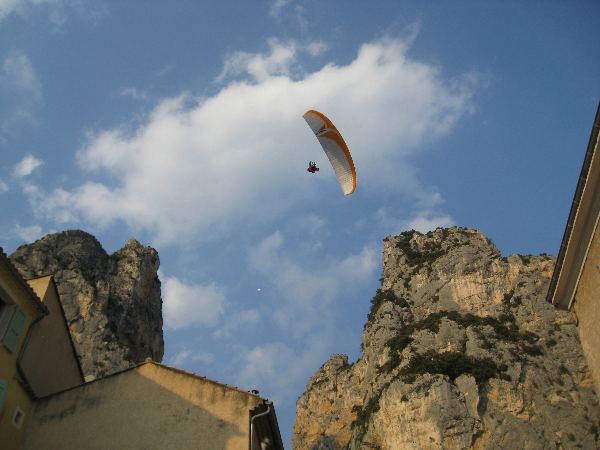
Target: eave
[{"x": 583, "y": 218}]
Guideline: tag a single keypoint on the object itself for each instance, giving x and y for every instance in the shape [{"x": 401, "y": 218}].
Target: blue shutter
[
  {"x": 15, "y": 328},
  {"x": 3, "y": 390}
]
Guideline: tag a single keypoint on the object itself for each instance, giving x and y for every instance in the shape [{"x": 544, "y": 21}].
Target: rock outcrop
[
  {"x": 112, "y": 302},
  {"x": 460, "y": 351}
]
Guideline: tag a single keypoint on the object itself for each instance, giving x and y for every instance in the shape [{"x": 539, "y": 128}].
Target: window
[
  {"x": 18, "y": 418},
  {"x": 3, "y": 390},
  {"x": 14, "y": 327},
  {"x": 4, "y": 315}
]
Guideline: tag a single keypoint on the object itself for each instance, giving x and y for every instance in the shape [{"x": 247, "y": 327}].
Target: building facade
[
  {"x": 575, "y": 284},
  {"x": 50, "y": 361},
  {"x": 46, "y": 404},
  {"x": 37, "y": 356},
  {"x": 152, "y": 406},
  {"x": 20, "y": 310}
]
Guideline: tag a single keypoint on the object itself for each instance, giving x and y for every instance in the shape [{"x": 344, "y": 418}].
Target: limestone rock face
[
  {"x": 112, "y": 302},
  {"x": 460, "y": 351}
]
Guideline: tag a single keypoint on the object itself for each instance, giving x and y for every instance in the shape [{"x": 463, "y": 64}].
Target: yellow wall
[
  {"x": 587, "y": 308},
  {"x": 11, "y": 291},
  {"x": 149, "y": 406},
  {"x": 9, "y": 434}
]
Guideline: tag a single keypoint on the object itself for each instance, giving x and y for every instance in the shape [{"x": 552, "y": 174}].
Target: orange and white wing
[{"x": 335, "y": 148}]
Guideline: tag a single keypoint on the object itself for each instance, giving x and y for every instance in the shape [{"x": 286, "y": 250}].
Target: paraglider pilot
[{"x": 312, "y": 167}]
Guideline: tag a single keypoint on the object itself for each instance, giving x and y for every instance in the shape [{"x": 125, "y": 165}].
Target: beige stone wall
[
  {"x": 150, "y": 406},
  {"x": 587, "y": 308},
  {"x": 49, "y": 361}
]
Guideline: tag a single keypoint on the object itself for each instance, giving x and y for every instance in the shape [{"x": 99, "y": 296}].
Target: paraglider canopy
[{"x": 335, "y": 148}]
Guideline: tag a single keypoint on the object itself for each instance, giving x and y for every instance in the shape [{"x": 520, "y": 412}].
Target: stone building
[
  {"x": 37, "y": 356},
  {"x": 575, "y": 283},
  {"x": 45, "y": 402},
  {"x": 152, "y": 406}
]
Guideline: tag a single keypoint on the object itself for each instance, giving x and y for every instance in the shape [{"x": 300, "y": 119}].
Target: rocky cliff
[
  {"x": 460, "y": 351},
  {"x": 112, "y": 302}
]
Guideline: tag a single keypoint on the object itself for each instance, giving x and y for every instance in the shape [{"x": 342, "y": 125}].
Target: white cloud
[
  {"x": 316, "y": 48},
  {"x": 190, "y": 304},
  {"x": 185, "y": 355},
  {"x": 277, "y": 6},
  {"x": 134, "y": 93},
  {"x": 277, "y": 63},
  {"x": 3, "y": 187},
  {"x": 428, "y": 217},
  {"x": 8, "y": 6},
  {"x": 264, "y": 256},
  {"x": 236, "y": 321},
  {"x": 268, "y": 361},
  {"x": 19, "y": 72},
  {"x": 297, "y": 13},
  {"x": 300, "y": 13},
  {"x": 56, "y": 206},
  {"x": 180, "y": 358},
  {"x": 306, "y": 300},
  {"x": 198, "y": 167},
  {"x": 303, "y": 296},
  {"x": 28, "y": 234},
  {"x": 27, "y": 166},
  {"x": 361, "y": 267},
  {"x": 310, "y": 223},
  {"x": 306, "y": 296},
  {"x": 423, "y": 220},
  {"x": 165, "y": 70},
  {"x": 279, "y": 368},
  {"x": 426, "y": 221},
  {"x": 21, "y": 92},
  {"x": 56, "y": 11}
]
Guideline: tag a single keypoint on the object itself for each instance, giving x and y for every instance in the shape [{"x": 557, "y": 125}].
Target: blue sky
[{"x": 179, "y": 123}]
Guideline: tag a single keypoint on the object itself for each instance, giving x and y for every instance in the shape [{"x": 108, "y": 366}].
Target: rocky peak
[
  {"x": 460, "y": 351},
  {"x": 112, "y": 302}
]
